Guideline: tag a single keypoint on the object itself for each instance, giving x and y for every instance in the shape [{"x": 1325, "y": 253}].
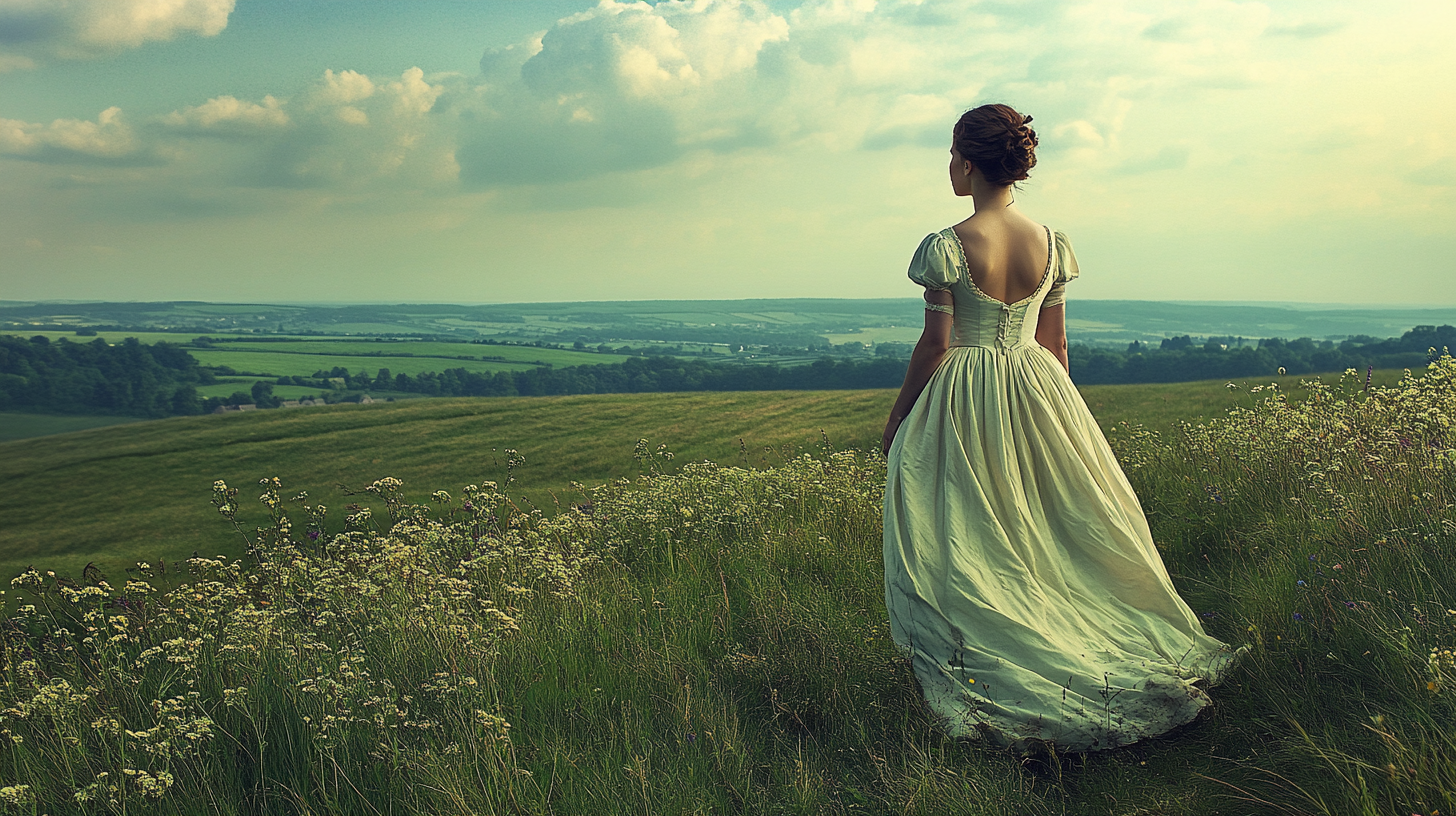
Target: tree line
[
  {"x": 1179, "y": 359},
  {"x": 158, "y": 380},
  {"x": 128, "y": 378},
  {"x": 1175, "y": 359}
]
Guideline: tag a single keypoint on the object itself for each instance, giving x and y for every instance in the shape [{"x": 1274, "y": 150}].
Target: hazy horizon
[
  {"x": 1284, "y": 304},
  {"x": 491, "y": 152}
]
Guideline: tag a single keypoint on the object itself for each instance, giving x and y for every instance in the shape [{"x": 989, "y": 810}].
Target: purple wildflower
[
  {"x": 1298, "y": 616},
  {"x": 313, "y": 535},
  {"x": 1300, "y": 582},
  {"x": 1350, "y": 604}
]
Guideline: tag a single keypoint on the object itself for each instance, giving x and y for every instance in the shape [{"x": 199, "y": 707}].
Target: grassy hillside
[
  {"x": 25, "y": 426},
  {"x": 117, "y": 498},
  {"x": 119, "y": 495},
  {"x": 713, "y": 640}
]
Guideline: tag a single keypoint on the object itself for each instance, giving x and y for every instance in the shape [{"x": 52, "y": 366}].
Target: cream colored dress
[{"x": 1020, "y": 575}]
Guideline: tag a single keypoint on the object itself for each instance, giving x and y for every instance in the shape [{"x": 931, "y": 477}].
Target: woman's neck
[{"x": 990, "y": 197}]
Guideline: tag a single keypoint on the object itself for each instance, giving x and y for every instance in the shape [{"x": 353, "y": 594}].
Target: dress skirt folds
[{"x": 1020, "y": 575}]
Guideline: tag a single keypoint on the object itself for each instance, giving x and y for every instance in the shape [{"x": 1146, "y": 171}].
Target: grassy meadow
[
  {"x": 704, "y": 638},
  {"x": 15, "y": 425},
  {"x": 144, "y": 486}
]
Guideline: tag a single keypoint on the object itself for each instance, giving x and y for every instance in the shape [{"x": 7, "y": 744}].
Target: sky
[{"x": 479, "y": 151}]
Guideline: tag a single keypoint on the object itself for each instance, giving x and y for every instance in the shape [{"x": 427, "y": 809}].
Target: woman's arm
[
  {"x": 934, "y": 341},
  {"x": 1051, "y": 331}
]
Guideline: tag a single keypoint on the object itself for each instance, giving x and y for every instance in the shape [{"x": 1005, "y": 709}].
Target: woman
[{"x": 1020, "y": 575}]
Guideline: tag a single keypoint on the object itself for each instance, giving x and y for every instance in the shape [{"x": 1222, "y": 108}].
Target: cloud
[
  {"x": 676, "y": 89},
  {"x": 620, "y": 87},
  {"x": 88, "y": 28},
  {"x": 625, "y": 87},
  {"x": 227, "y": 115},
  {"x": 108, "y": 140},
  {"x": 343, "y": 88},
  {"x": 348, "y": 131}
]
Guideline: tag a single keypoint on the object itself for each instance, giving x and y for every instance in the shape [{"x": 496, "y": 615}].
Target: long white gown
[{"x": 1020, "y": 574}]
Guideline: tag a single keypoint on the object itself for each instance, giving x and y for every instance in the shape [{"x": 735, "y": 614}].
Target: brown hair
[{"x": 998, "y": 140}]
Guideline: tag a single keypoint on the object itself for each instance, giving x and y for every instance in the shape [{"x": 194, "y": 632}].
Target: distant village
[{"x": 303, "y": 403}]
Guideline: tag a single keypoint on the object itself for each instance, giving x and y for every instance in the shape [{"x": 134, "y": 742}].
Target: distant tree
[{"x": 263, "y": 395}]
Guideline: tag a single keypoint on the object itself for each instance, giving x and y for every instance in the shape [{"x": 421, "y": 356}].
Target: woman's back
[{"x": 1006, "y": 254}]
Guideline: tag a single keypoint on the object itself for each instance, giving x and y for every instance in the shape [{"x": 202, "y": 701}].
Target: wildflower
[
  {"x": 1298, "y": 616},
  {"x": 1300, "y": 582},
  {"x": 1311, "y": 558},
  {"x": 1350, "y": 604}
]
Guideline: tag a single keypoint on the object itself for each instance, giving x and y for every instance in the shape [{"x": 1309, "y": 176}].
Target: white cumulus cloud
[
  {"x": 230, "y": 115},
  {"x": 84, "y": 28},
  {"x": 108, "y": 139}
]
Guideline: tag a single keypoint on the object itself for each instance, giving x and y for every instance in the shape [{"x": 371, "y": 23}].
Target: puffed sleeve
[
  {"x": 1066, "y": 270},
  {"x": 936, "y": 264}
]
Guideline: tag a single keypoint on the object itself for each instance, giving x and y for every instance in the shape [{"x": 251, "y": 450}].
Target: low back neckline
[{"x": 966, "y": 267}]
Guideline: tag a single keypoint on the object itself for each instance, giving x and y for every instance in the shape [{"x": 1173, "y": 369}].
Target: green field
[
  {"x": 145, "y": 485},
  {"x": 426, "y": 348},
  {"x": 146, "y": 491},
  {"x": 228, "y": 387},
  {"x": 26, "y": 426},
  {"x": 305, "y": 365}
]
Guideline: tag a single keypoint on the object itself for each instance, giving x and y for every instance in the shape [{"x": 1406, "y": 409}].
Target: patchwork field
[{"x": 283, "y": 364}]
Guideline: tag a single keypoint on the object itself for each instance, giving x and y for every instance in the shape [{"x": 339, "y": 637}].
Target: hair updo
[{"x": 998, "y": 140}]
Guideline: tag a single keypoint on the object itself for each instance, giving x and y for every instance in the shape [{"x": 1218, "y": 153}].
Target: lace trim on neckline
[{"x": 966, "y": 267}]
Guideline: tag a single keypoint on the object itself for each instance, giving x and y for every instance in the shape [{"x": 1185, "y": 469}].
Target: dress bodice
[{"x": 979, "y": 319}]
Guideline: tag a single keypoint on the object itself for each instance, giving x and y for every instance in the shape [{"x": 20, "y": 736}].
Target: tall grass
[
  {"x": 705, "y": 638},
  {"x": 1325, "y": 529}
]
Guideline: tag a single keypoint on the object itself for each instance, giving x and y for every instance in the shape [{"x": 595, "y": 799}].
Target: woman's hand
[{"x": 891, "y": 427}]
